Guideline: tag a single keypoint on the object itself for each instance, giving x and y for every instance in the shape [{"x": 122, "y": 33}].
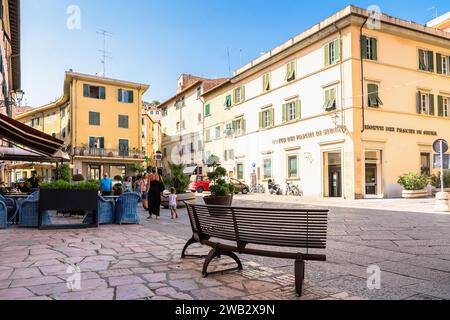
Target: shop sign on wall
[{"x": 400, "y": 130}]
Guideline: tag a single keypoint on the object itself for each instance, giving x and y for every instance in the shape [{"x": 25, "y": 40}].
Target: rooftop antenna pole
[
  {"x": 435, "y": 11},
  {"x": 104, "y": 54}
]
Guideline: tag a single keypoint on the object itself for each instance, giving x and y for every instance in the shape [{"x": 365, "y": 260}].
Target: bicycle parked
[
  {"x": 293, "y": 190},
  {"x": 257, "y": 189}
]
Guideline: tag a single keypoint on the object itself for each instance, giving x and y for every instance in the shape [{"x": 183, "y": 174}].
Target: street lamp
[{"x": 14, "y": 100}]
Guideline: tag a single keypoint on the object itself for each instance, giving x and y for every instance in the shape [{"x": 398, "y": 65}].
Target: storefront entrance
[
  {"x": 333, "y": 174},
  {"x": 95, "y": 172},
  {"x": 373, "y": 174},
  {"x": 371, "y": 179}
]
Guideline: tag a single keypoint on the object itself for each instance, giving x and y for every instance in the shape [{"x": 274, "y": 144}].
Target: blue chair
[
  {"x": 29, "y": 212},
  {"x": 10, "y": 205},
  {"x": 106, "y": 213},
  {"x": 127, "y": 209},
  {"x": 3, "y": 215}
]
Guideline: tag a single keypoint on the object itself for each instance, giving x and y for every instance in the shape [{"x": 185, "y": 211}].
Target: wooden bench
[{"x": 230, "y": 230}]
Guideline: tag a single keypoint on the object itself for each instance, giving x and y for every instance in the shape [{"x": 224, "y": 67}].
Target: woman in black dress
[{"x": 155, "y": 189}]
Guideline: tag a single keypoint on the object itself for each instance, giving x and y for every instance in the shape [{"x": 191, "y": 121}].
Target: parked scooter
[{"x": 274, "y": 188}]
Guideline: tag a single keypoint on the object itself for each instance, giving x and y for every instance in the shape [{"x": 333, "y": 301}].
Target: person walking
[
  {"x": 127, "y": 185},
  {"x": 173, "y": 204},
  {"x": 143, "y": 191},
  {"x": 106, "y": 185},
  {"x": 155, "y": 189}
]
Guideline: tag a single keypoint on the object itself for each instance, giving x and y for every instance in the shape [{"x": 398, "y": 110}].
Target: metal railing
[{"x": 107, "y": 153}]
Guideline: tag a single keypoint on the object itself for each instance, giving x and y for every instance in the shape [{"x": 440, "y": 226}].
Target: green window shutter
[
  {"x": 337, "y": 45},
  {"x": 234, "y": 97},
  {"x": 261, "y": 120},
  {"x": 419, "y": 104},
  {"x": 102, "y": 93},
  {"x": 131, "y": 96},
  {"x": 242, "y": 93},
  {"x": 266, "y": 82},
  {"x": 207, "y": 110},
  {"x": 431, "y": 97},
  {"x": 86, "y": 90},
  {"x": 284, "y": 109},
  {"x": 431, "y": 61},
  {"x": 272, "y": 117},
  {"x": 440, "y": 106},
  {"x": 120, "y": 96},
  {"x": 372, "y": 90},
  {"x": 298, "y": 109},
  {"x": 327, "y": 55},
  {"x": 327, "y": 99},
  {"x": 364, "y": 47},
  {"x": 374, "y": 48},
  {"x": 439, "y": 63},
  {"x": 421, "y": 60}
]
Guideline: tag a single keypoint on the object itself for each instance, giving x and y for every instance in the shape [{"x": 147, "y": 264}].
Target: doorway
[
  {"x": 373, "y": 174},
  {"x": 371, "y": 179},
  {"x": 95, "y": 172},
  {"x": 333, "y": 174}
]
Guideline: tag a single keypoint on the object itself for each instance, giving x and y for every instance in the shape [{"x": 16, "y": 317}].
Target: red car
[{"x": 199, "y": 184}]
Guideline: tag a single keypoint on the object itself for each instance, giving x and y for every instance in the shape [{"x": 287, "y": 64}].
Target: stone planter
[
  {"x": 180, "y": 198},
  {"x": 415, "y": 194},
  {"x": 218, "y": 201},
  {"x": 437, "y": 190}
]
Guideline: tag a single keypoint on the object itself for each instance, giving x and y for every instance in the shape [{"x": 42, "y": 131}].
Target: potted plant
[
  {"x": 436, "y": 181},
  {"x": 83, "y": 149},
  {"x": 221, "y": 191},
  {"x": 180, "y": 182},
  {"x": 136, "y": 153},
  {"x": 78, "y": 178},
  {"x": 414, "y": 185}
]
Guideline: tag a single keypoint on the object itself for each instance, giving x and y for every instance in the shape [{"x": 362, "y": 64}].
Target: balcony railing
[{"x": 107, "y": 153}]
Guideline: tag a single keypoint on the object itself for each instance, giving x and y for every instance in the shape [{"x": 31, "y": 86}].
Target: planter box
[
  {"x": 68, "y": 200},
  {"x": 180, "y": 198},
  {"x": 218, "y": 201},
  {"x": 415, "y": 194}
]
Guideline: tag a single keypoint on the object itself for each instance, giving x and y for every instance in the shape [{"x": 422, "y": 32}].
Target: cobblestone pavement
[{"x": 142, "y": 262}]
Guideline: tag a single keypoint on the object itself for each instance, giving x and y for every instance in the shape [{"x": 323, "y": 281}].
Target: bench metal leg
[
  {"x": 299, "y": 275},
  {"x": 215, "y": 253},
  {"x": 187, "y": 245}
]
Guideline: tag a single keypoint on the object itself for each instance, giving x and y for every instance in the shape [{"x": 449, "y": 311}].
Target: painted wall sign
[
  {"x": 310, "y": 135},
  {"x": 400, "y": 130}
]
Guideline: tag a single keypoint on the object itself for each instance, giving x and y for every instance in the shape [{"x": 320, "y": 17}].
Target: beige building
[
  {"x": 182, "y": 123},
  {"x": 342, "y": 109}
]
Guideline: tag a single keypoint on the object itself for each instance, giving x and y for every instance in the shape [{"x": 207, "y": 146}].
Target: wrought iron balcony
[{"x": 108, "y": 153}]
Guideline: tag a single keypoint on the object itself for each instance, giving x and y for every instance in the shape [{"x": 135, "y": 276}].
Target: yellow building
[
  {"x": 100, "y": 120},
  {"x": 342, "y": 109}
]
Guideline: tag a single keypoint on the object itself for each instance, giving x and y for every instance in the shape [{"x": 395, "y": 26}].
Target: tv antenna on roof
[
  {"x": 435, "y": 11},
  {"x": 104, "y": 54}
]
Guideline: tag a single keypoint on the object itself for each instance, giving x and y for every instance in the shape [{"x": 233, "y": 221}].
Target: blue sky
[{"x": 154, "y": 41}]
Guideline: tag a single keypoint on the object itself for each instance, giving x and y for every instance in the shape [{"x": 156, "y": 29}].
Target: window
[
  {"x": 240, "y": 171},
  {"x": 425, "y": 103},
  {"x": 96, "y": 143},
  {"x": 208, "y": 135},
  {"x": 266, "y": 82},
  {"x": 267, "y": 165},
  {"x": 374, "y": 98},
  {"x": 266, "y": 118},
  {"x": 199, "y": 145},
  {"x": 229, "y": 129},
  {"x": 94, "y": 92},
  {"x": 290, "y": 71},
  {"x": 228, "y": 155},
  {"x": 228, "y": 101},
  {"x": 94, "y": 118},
  {"x": 426, "y": 60},
  {"x": 124, "y": 148},
  {"x": 425, "y": 164},
  {"x": 181, "y": 102},
  {"x": 239, "y": 95},
  {"x": 63, "y": 112},
  {"x": 442, "y": 64},
  {"x": 207, "y": 110},
  {"x": 164, "y": 112},
  {"x": 443, "y": 106},
  {"x": 239, "y": 127},
  {"x": 218, "y": 132},
  {"x": 199, "y": 92},
  {"x": 126, "y": 96},
  {"x": 369, "y": 48},
  {"x": 63, "y": 133},
  {"x": 332, "y": 52},
  {"x": 178, "y": 126},
  {"x": 199, "y": 118},
  {"x": 330, "y": 99},
  {"x": 291, "y": 111},
  {"x": 292, "y": 167},
  {"x": 123, "y": 122},
  {"x": 35, "y": 122}
]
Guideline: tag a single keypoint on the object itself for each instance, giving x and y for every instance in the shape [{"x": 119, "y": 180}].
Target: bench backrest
[{"x": 296, "y": 228}]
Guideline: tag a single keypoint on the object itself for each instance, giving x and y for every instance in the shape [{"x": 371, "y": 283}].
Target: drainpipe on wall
[{"x": 363, "y": 100}]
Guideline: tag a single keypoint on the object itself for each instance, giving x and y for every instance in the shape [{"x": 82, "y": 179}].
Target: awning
[
  {"x": 18, "y": 133},
  {"x": 189, "y": 170},
  {"x": 15, "y": 154}
]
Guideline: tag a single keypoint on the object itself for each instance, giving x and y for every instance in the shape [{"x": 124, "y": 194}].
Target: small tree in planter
[
  {"x": 414, "y": 185},
  {"x": 221, "y": 191},
  {"x": 64, "y": 173},
  {"x": 78, "y": 178},
  {"x": 180, "y": 182},
  {"x": 436, "y": 180}
]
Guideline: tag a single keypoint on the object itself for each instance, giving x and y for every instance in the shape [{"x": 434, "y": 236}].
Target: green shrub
[
  {"x": 220, "y": 188},
  {"x": 78, "y": 178},
  {"x": 436, "y": 179},
  {"x": 87, "y": 185},
  {"x": 118, "y": 178},
  {"x": 64, "y": 172},
  {"x": 413, "y": 181},
  {"x": 177, "y": 178},
  {"x": 57, "y": 185}
]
